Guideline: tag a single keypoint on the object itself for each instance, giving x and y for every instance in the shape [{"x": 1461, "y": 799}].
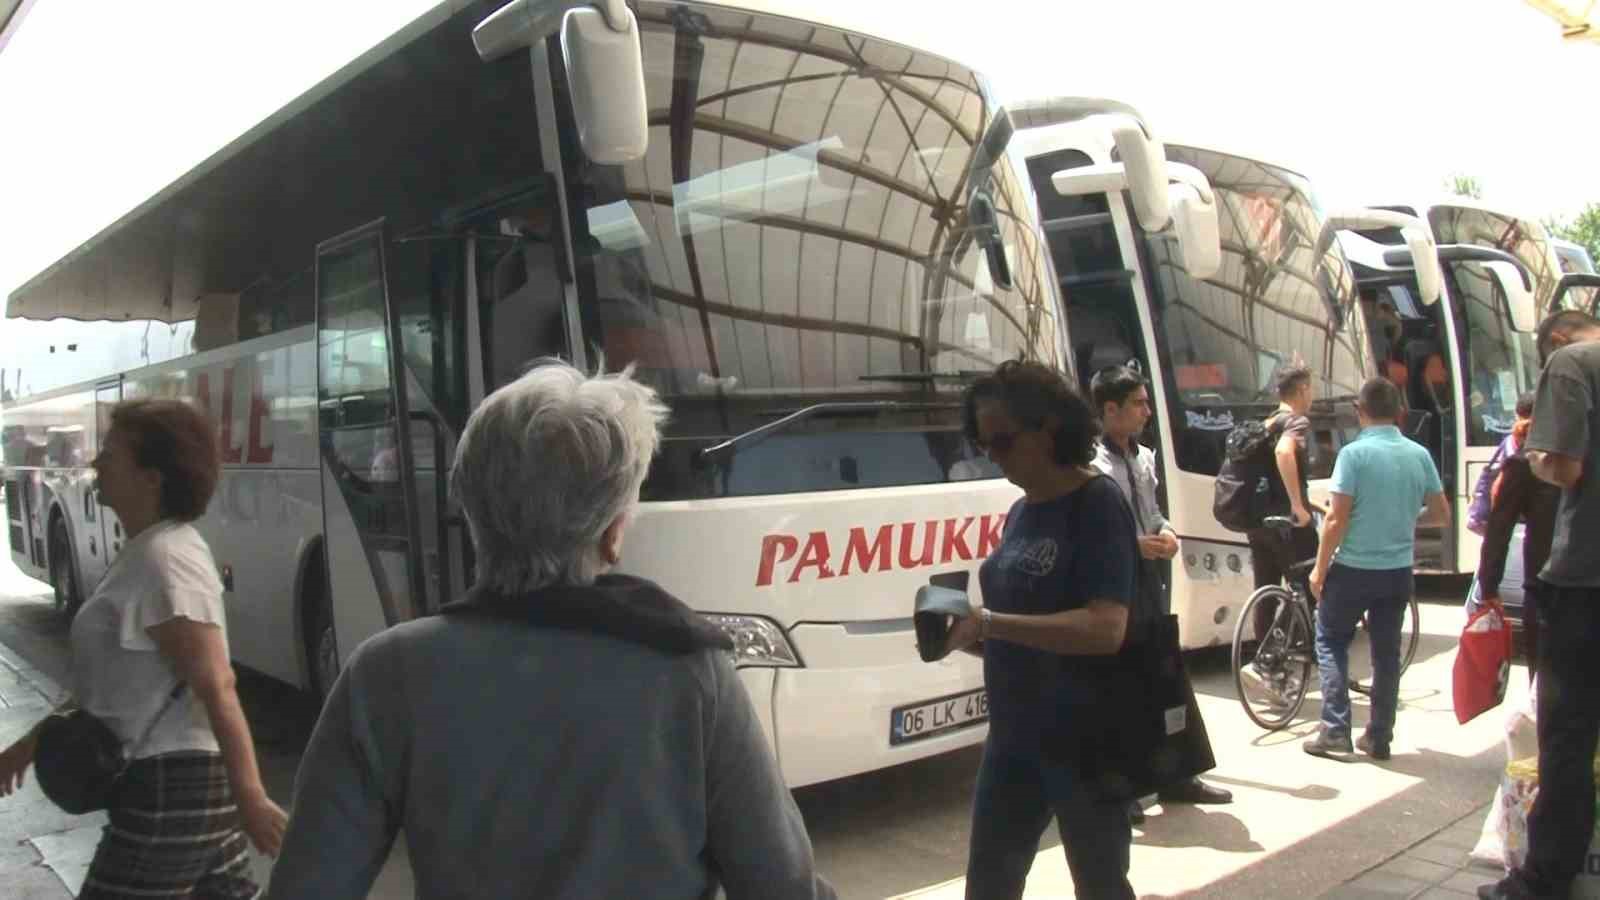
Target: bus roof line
[{"x": 435, "y": 16}]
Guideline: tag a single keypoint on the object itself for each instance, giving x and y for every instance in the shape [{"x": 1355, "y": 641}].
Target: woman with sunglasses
[{"x": 1057, "y": 594}]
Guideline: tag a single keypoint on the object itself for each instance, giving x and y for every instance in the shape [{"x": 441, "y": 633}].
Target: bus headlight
[{"x": 756, "y": 641}]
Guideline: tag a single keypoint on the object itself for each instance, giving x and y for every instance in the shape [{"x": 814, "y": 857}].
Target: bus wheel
[
  {"x": 322, "y": 645},
  {"x": 63, "y": 574}
]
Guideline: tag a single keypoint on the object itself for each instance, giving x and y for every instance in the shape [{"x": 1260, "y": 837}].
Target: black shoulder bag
[
  {"x": 1151, "y": 734},
  {"x": 78, "y": 759}
]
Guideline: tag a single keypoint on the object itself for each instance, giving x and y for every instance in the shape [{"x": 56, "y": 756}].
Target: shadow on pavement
[
  {"x": 1193, "y": 826},
  {"x": 1304, "y": 792},
  {"x": 1446, "y": 791}
]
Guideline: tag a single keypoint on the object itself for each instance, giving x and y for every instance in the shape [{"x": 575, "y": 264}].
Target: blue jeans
[
  {"x": 1018, "y": 793},
  {"x": 1382, "y": 595}
]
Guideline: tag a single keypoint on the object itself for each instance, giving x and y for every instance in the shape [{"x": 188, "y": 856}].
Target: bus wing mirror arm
[
  {"x": 605, "y": 67},
  {"x": 1418, "y": 237}
]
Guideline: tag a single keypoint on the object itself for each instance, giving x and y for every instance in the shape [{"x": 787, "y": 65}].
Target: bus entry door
[{"x": 369, "y": 502}]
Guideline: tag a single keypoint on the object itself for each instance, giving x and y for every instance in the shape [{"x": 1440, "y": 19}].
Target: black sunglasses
[{"x": 999, "y": 442}]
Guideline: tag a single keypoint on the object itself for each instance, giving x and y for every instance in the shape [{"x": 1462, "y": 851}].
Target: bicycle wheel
[
  {"x": 1410, "y": 635},
  {"x": 1272, "y": 672},
  {"x": 1361, "y": 658}
]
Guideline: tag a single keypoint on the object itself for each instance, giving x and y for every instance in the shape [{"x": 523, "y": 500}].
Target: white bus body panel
[{"x": 839, "y": 571}]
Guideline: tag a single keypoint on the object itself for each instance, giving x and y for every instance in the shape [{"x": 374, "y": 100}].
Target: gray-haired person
[{"x": 560, "y": 732}]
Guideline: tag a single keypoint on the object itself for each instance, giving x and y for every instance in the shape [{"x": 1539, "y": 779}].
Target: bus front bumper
[{"x": 835, "y": 718}]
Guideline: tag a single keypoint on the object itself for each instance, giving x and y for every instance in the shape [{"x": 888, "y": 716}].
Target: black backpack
[{"x": 1248, "y": 487}]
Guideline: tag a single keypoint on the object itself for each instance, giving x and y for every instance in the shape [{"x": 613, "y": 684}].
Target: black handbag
[
  {"x": 1149, "y": 732},
  {"x": 78, "y": 759}
]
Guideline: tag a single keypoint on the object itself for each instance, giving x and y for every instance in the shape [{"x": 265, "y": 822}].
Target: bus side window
[
  {"x": 275, "y": 305},
  {"x": 521, "y": 304}
]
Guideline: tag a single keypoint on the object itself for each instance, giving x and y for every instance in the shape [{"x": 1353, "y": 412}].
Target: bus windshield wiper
[{"x": 727, "y": 448}]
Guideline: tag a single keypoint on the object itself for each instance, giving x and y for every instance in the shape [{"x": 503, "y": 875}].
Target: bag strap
[{"x": 172, "y": 698}]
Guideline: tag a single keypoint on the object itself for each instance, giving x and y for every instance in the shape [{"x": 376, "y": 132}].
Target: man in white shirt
[{"x": 1123, "y": 401}]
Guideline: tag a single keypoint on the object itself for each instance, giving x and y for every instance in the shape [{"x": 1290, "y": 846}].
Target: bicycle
[{"x": 1278, "y": 666}]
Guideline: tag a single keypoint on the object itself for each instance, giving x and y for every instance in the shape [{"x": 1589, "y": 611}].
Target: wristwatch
[{"x": 985, "y": 619}]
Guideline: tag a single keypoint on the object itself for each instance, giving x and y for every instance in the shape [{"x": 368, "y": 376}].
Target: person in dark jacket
[
  {"x": 1518, "y": 496},
  {"x": 559, "y": 732}
]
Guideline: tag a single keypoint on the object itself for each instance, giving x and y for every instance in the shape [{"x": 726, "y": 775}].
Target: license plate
[{"x": 935, "y": 717}]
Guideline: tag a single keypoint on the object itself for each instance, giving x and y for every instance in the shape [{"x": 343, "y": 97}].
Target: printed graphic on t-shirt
[{"x": 1040, "y": 557}]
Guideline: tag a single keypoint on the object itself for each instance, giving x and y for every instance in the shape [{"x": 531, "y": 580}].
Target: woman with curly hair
[{"x": 1057, "y": 594}]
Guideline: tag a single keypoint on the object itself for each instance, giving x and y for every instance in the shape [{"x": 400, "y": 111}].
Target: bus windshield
[
  {"x": 1222, "y": 340},
  {"x": 797, "y": 235},
  {"x": 1502, "y": 363}
]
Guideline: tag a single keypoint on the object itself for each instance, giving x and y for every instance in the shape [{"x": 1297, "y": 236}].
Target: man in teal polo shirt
[{"x": 1381, "y": 481}]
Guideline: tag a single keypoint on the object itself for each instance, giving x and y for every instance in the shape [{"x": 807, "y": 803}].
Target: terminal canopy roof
[{"x": 1580, "y": 19}]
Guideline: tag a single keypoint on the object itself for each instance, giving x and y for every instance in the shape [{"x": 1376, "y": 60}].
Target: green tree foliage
[
  {"x": 1465, "y": 186},
  {"x": 1584, "y": 230}
]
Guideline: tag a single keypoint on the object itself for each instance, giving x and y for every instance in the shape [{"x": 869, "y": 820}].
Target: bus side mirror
[
  {"x": 1576, "y": 290},
  {"x": 1425, "y": 263},
  {"x": 1520, "y": 306},
  {"x": 1194, "y": 220},
  {"x": 1424, "y": 255},
  {"x": 985, "y": 225},
  {"x": 1144, "y": 162},
  {"x": 1142, "y": 169},
  {"x": 605, "y": 67}
]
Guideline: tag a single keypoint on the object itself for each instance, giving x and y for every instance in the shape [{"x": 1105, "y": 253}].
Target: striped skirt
[{"x": 174, "y": 832}]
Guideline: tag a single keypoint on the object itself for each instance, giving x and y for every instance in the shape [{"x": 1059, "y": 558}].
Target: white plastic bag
[{"x": 1522, "y": 742}]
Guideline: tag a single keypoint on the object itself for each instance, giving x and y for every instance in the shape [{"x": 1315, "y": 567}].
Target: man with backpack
[{"x": 1263, "y": 475}]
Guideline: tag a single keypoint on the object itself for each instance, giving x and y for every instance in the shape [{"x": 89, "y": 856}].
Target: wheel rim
[
  {"x": 62, "y": 579},
  {"x": 1279, "y": 657}
]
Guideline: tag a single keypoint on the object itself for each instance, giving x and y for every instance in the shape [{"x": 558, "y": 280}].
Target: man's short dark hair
[
  {"x": 1525, "y": 405},
  {"x": 1289, "y": 378},
  {"x": 1114, "y": 384},
  {"x": 1565, "y": 323},
  {"x": 1380, "y": 399}
]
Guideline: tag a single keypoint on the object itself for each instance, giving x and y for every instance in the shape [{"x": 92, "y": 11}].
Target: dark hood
[{"x": 620, "y": 606}]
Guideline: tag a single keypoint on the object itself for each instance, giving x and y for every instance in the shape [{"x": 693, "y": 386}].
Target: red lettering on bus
[
  {"x": 815, "y": 555},
  {"x": 955, "y": 541},
  {"x": 230, "y": 453},
  {"x": 990, "y": 528},
  {"x": 908, "y": 532},
  {"x": 867, "y": 548},
  {"x": 771, "y": 547},
  {"x": 256, "y": 449},
  {"x": 868, "y": 558}
]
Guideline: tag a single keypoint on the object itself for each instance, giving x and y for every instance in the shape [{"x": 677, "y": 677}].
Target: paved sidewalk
[
  {"x": 44, "y": 853},
  {"x": 1436, "y": 868}
]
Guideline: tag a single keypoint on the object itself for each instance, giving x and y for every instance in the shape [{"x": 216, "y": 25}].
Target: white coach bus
[
  {"x": 1209, "y": 337},
  {"x": 806, "y": 238},
  {"x": 1463, "y": 361}
]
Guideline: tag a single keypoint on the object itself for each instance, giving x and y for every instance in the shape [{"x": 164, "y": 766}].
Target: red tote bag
[{"x": 1483, "y": 662}]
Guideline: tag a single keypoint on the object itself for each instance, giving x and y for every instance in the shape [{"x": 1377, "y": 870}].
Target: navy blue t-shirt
[{"x": 1055, "y": 556}]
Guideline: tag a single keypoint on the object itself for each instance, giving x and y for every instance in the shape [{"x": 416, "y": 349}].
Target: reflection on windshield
[
  {"x": 1226, "y": 337},
  {"x": 1503, "y": 362},
  {"x": 798, "y": 227},
  {"x": 798, "y": 234}
]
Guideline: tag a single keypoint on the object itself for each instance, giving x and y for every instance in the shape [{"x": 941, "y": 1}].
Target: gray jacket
[
  {"x": 1139, "y": 483},
  {"x": 544, "y": 760}
]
